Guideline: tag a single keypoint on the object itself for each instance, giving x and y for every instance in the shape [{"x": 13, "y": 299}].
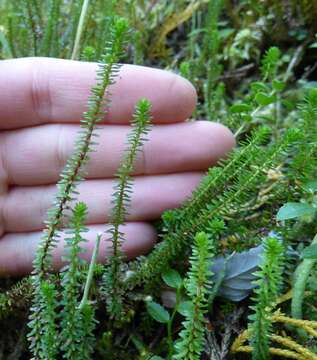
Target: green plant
[
  {"x": 77, "y": 319},
  {"x": 113, "y": 277},
  {"x": 253, "y": 67},
  {"x": 198, "y": 286},
  {"x": 43, "y": 308},
  {"x": 301, "y": 274},
  {"x": 70, "y": 331},
  {"x": 303, "y": 211},
  {"x": 228, "y": 186},
  {"x": 266, "y": 294}
]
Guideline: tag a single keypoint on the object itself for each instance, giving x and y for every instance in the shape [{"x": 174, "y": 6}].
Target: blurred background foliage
[{"x": 215, "y": 44}]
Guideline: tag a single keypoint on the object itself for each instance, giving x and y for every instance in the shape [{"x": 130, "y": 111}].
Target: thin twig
[
  {"x": 80, "y": 29},
  {"x": 90, "y": 273}
]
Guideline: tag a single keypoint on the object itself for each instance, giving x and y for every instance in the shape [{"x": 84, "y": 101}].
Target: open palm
[{"x": 41, "y": 102}]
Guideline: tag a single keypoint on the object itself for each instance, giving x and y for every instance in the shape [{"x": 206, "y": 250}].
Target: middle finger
[{"x": 37, "y": 155}]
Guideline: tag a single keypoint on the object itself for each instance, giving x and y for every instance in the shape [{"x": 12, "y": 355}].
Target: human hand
[{"x": 41, "y": 102}]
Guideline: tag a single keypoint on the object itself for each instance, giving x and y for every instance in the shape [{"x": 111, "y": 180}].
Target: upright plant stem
[
  {"x": 90, "y": 273},
  {"x": 299, "y": 283},
  {"x": 80, "y": 29},
  {"x": 170, "y": 324}
]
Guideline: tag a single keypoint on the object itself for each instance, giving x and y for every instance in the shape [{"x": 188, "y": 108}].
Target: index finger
[{"x": 36, "y": 91}]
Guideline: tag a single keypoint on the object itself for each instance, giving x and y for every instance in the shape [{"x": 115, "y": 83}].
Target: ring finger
[
  {"x": 151, "y": 196},
  {"x": 17, "y": 250}
]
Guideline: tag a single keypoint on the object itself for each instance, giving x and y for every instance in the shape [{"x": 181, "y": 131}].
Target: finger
[
  {"x": 150, "y": 197},
  {"x": 17, "y": 250},
  {"x": 36, "y": 156},
  {"x": 41, "y": 90}
]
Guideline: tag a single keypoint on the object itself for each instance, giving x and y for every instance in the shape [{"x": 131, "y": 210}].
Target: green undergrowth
[{"x": 253, "y": 64}]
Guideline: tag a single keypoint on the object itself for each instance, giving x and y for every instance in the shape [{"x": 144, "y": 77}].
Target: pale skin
[{"x": 41, "y": 102}]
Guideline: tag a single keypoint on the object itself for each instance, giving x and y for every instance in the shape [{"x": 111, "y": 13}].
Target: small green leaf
[
  {"x": 295, "y": 210},
  {"x": 310, "y": 186},
  {"x": 157, "y": 312},
  {"x": 278, "y": 85},
  {"x": 121, "y": 25},
  {"x": 240, "y": 108},
  {"x": 289, "y": 105},
  {"x": 310, "y": 252},
  {"x": 155, "y": 357},
  {"x": 264, "y": 99},
  {"x": 172, "y": 279},
  {"x": 312, "y": 96},
  {"x": 246, "y": 117},
  {"x": 184, "y": 69},
  {"x": 185, "y": 308},
  {"x": 259, "y": 86}
]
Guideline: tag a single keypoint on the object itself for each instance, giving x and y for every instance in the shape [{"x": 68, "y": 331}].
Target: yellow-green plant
[
  {"x": 198, "y": 287},
  {"x": 113, "y": 277},
  {"x": 265, "y": 295},
  {"x": 44, "y": 290},
  {"x": 218, "y": 46}
]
